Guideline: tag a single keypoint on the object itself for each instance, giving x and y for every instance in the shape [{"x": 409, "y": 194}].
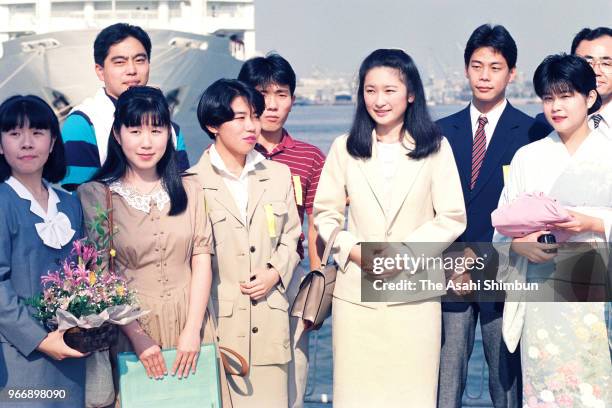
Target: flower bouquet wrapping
[{"x": 86, "y": 298}]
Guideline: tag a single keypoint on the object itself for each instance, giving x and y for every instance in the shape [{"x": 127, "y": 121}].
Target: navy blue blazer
[{"x": 514, "y": 130}]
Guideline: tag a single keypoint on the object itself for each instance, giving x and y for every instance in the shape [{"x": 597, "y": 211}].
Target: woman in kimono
[
  {"x": 402, "y": 180},
  {"x": 162, "y": 238},
  {"x": 251, "y": 205},
  {"x": 37, "y": 227},
  {"x": 564, "y": 346}
]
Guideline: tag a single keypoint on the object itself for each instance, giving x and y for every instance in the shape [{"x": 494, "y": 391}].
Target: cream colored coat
[
  {"x": 426, "y": 206},
  {"x": 259, "y": 331}
]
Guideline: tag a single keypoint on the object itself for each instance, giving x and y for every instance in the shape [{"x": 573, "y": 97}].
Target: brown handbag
[{"x": 314, "y": 299}]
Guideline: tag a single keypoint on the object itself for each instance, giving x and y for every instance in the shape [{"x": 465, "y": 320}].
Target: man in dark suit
[{"x": 484, "y": 137}]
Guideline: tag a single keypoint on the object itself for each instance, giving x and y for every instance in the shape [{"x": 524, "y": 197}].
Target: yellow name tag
[
  {"x": 506, "y": 170},
  {"x": 297, "y": 186},
  {"x": 271, "y": 220}
]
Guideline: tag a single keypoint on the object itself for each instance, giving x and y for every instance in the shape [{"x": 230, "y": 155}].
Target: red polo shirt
[{"x": 305, "y": 162}]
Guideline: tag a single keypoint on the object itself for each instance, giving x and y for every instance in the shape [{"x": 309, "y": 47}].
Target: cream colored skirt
[{"x": 387, "y": 357}]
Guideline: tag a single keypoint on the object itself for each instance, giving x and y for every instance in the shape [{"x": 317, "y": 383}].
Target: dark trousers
[{"x": 458, "y": 329}]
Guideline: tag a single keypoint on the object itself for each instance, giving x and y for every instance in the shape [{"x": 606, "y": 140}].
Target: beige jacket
[
  {"x": 426, "y": 206},
  {"x": 257, "y": 330}
]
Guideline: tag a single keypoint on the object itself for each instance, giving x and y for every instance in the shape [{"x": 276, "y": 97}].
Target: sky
[{"x": 333, "y": 36}]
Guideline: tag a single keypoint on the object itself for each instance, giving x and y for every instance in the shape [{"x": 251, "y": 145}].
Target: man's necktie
[
  {"x": 479, "y": 148},
  {"x": 597, "y": 118}
]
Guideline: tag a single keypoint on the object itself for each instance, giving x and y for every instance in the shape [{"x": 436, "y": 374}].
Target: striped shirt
[
  {"x": 82, "y": 153},
  {"x": 305, "y": 162}
]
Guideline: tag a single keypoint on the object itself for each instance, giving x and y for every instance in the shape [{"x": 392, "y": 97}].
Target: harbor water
[{"x": 320, "y": 125}]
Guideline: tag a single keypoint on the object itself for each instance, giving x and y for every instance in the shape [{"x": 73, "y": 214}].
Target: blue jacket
[
  {"x": 514, "y": 130},
  {"x": 23, "y": 260}
]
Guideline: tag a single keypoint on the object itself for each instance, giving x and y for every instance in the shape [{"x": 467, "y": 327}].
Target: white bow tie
[{"x": 56, "y": 231}]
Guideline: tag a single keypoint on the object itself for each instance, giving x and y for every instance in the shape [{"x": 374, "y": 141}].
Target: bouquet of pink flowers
[
  {"x": 82, "y": 287},
  {"x": 85, "y": 297}
]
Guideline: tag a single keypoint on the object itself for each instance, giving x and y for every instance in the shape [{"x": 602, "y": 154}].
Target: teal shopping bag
[{"x": 201, "y": 390}]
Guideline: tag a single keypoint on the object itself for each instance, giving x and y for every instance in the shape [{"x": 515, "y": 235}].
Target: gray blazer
[{"x": 23, "y": 259}]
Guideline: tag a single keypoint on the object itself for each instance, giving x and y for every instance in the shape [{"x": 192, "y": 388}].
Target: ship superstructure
[{"x": 234, "y": 19}]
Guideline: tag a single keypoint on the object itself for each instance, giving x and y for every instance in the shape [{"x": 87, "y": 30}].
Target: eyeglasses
[{"x": 605, "y": 63}]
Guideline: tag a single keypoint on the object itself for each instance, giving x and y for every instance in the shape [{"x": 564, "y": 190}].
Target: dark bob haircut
[
  {"x": 565, "y": 73},
  {"x": 116, "y": 33},
  {"x": 215, "y": 107},
  {"x": 586, "y": 34},
  {"x": 139, "y": 106},
  {"x": 264, "y": 71},
  {"x": 496, "y": 37},
  {"x": 417, "y": 122},
  {"x": 19, "y": 111}
]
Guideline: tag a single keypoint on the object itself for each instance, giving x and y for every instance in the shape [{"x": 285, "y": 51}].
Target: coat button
[
  {"x": 252, "y": 249},
  {"x": 389, "y": 233},
  {"x": 253, "y": 302},
  {"x": 255, "y": 330}
]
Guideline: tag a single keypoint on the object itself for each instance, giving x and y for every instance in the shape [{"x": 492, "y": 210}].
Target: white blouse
[
  {"x": 388, "y": 159},
  {"x": 238, "y": 186},
  {"x": 55, "y": 231}
]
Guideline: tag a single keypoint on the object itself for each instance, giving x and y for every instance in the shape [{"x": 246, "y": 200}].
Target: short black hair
[
  {"x": 561, "y": 73},
  {"x": 215, "y": 106},
  {"x": 589, "y": 35},
  {"x": 137, "y": 106},
  {"x": 116, "y": 33},
  {"x": 494, "y": 36},
  {"x": 271, "y": 69},
  {"x": 16, "y": 112}
]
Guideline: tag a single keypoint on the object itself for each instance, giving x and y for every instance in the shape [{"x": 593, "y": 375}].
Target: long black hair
[
  {"x": 16, "y": 112},
  {"x": 137, "y": 106},
  {"x": 417, "y": 122},
  {"x": 561, "y": 73}
]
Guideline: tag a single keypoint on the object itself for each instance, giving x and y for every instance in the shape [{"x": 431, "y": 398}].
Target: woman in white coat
[
  {"x": 402, "y": 181},
  {"x": 564, "y": 346}
]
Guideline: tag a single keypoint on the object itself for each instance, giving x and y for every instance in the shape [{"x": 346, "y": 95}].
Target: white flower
[
  {"x": 585, "y": 388},
  {"x": 552, "y": 349},
  {"x": 590, "y": 319},
  {"x": 533, "y": 352},
  {"x": 542, "y": 334},
  {"x": 547, "y": 396}
]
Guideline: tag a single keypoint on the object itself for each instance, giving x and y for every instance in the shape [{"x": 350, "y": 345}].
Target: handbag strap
[
  {"x": 329, "y": 246},
  {"x": 244, "y": 365},
  {"x": 111, "y": 227}
]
